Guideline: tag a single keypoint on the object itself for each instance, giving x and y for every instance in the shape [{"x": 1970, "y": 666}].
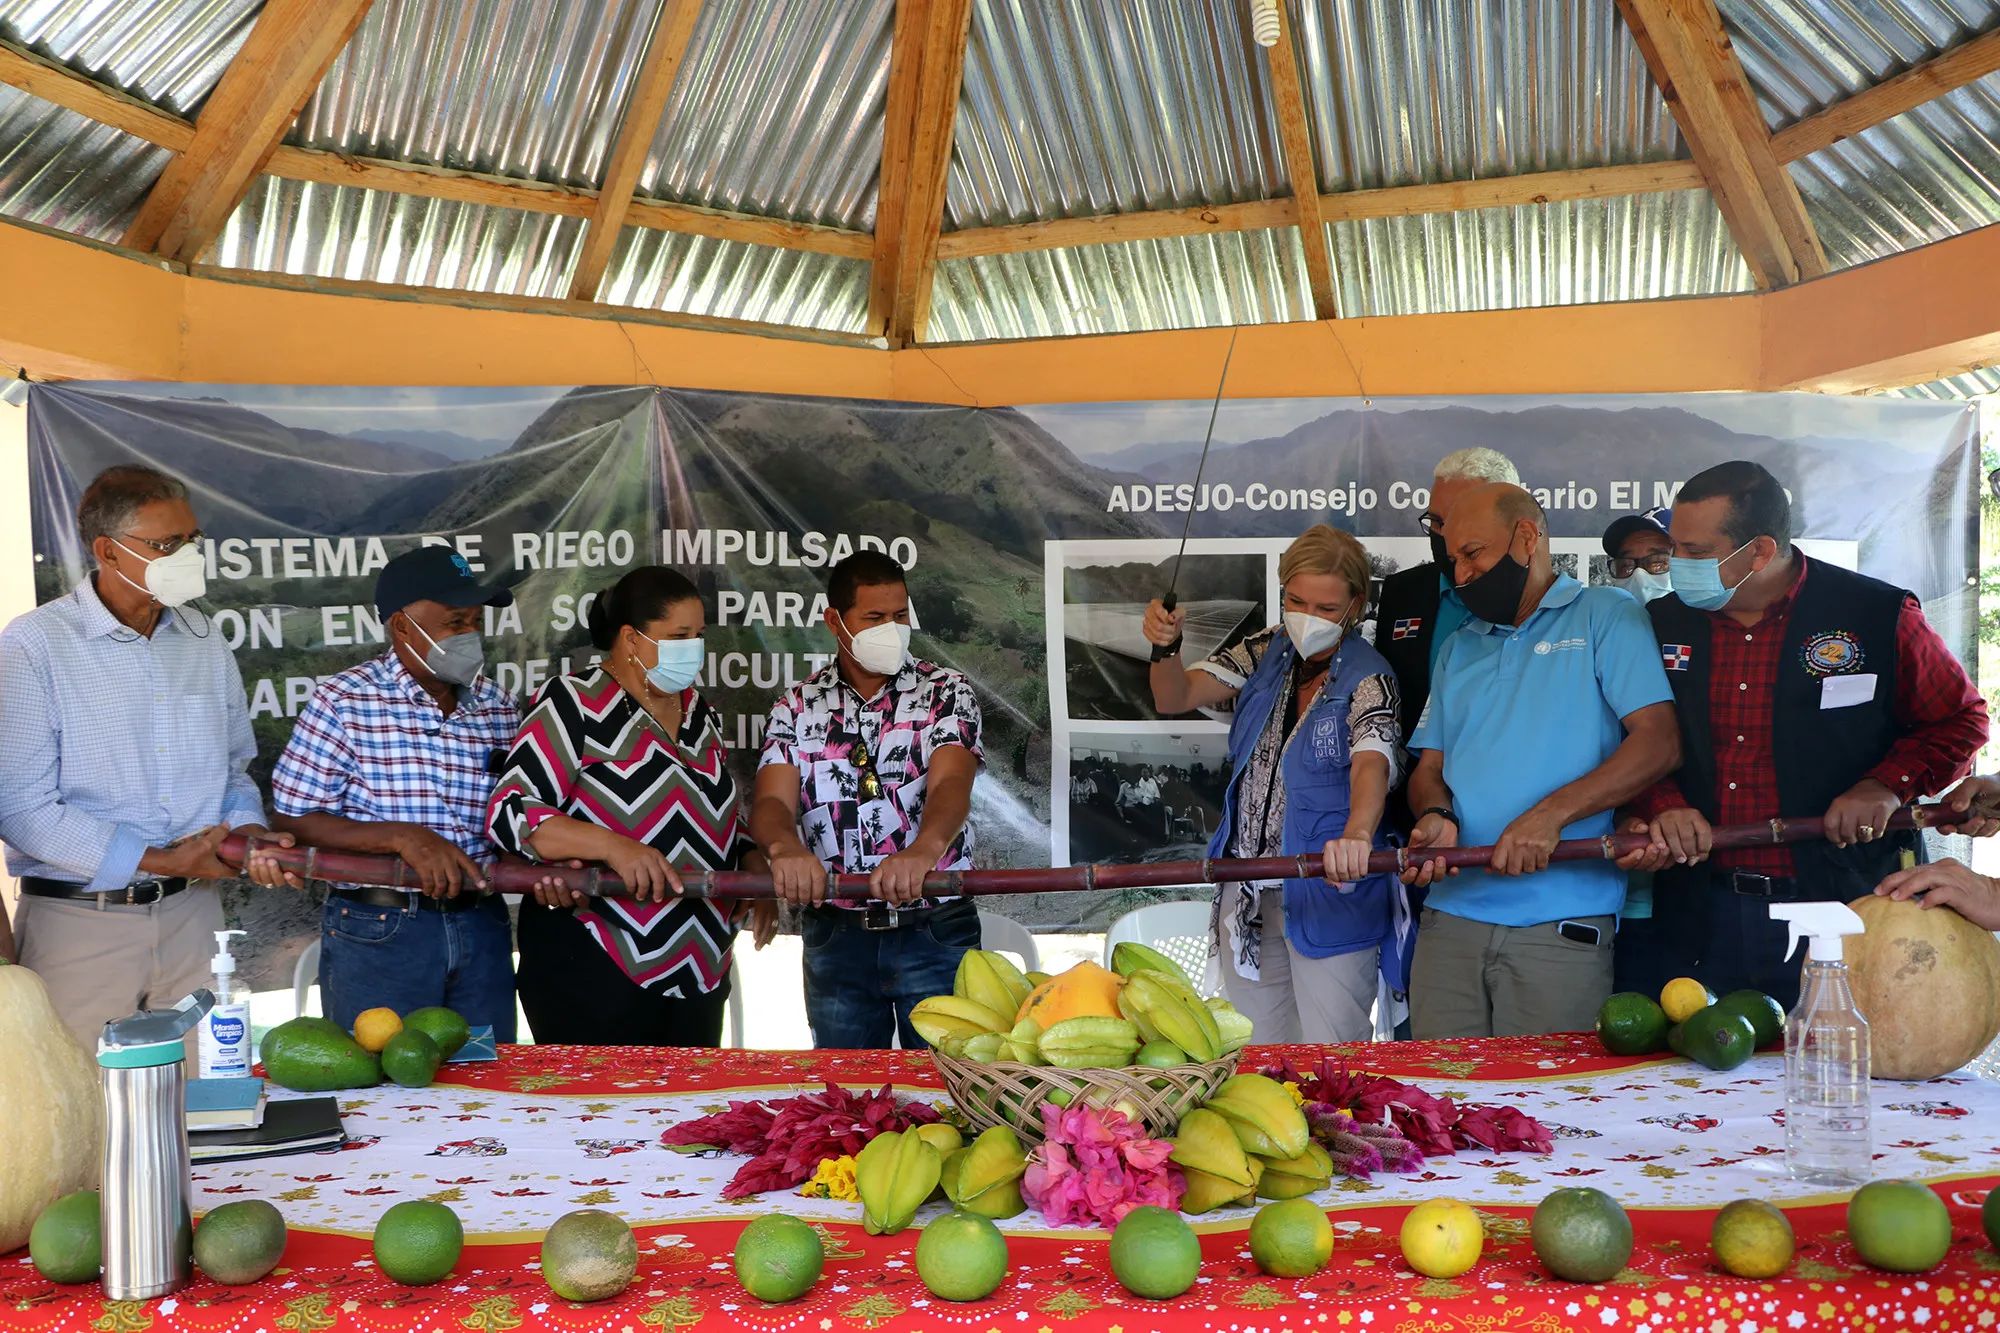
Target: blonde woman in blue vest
[{"x": 1314, "y": 749}]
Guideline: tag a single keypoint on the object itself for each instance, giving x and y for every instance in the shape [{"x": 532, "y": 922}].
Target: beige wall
[{"x": 17, "y": 556}]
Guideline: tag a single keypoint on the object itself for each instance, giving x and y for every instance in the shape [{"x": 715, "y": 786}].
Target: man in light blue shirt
[
  {"x": 1549, "y": 708},
  {"x": 124, "y": 748}
]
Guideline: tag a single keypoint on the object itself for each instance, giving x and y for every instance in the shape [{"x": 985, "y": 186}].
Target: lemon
[
  {"x": 374, "y": 1027},
  {"x": 1442, "y": 1238},
  {"x": 1291, "y": 1239},
  {"x": 1685, "y": 997},
  {"x": 1752, "y": 1239}
]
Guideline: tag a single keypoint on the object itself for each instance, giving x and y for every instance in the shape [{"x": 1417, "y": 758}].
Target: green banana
[
  {"x": 1131, "y": 957},
  {"x": 894, "y": 1174},
  {"x": 991, "y": 979}
]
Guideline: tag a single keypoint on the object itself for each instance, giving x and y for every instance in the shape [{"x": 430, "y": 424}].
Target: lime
[
  {"x": 778, "y": 1258},
  {"x": 1989, "y": 1218},
  {"x": 239, "y": 1242},
  {"x": 418, "y": 1242},
  {"x": 1765, "y": 1014},
  {"x": 1582, "y": 1235},
  {"x": 589, "y": 1255},
  {"x": 1752, "y": 1239},
  {"x": 67, "y": 1240},
  {"x": 1442, "y": 1238},
  {"x": 1160, "y": 1055},
  {"x": 1899, "y": 1225},
  {"x": 1154, "y": 1253},
  {"x": 411, "y": 1059},
  {"x": 1631, "y": 1024},
  {"x": 1291, "y": 1239},
  {"x": 962, "y": 1257},
  {"x": 374, "y": 1027},
  {"x": 1684, "y": 996}
]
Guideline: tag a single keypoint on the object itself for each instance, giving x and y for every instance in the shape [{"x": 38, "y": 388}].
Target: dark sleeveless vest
[{"x": 1841, "y": 624}]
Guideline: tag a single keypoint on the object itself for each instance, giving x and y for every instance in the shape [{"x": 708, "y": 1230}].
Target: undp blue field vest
[{"x": 1320, "y": 920}]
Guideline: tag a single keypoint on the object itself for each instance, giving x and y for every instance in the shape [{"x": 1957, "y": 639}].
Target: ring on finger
[{"x": 1867, "y": 832}]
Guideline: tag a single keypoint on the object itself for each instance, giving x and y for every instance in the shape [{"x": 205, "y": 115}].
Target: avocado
[
  {"x": 314, "y": 1055},
  {"x": 240, "y": 1242},
  {"x": 444, "y": 1026},
  {"x": 411, "y": 1059},
  {"x": 1718, "y": 1037}
]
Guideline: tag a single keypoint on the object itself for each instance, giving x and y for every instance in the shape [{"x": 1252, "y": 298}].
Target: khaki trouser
[
  {"x": 1471, "y": 979},
  {"x": 1296, "y": 998},
  {"x": 110, "y": 961}
]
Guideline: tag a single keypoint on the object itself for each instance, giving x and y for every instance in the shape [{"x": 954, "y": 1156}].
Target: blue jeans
[
  {"x": 862, "y": 984},
  {"x": 406, "y": 958}
]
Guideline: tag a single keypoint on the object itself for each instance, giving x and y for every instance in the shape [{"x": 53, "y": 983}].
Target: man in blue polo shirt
[{"x": 1548, "y": 709}]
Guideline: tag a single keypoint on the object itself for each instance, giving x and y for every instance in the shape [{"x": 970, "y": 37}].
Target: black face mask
[
  {"x": 1439, "y": 555},
  {"x": 1495, "y": 596}
]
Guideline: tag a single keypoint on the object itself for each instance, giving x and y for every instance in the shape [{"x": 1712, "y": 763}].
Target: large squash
[
  {"x": 51, "y": 1113},
  {"x": 1928, "y": 982},
  {"x": 1086, "y": 990}
]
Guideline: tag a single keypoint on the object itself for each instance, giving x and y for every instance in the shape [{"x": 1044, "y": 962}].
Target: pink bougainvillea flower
[{"x": 1094, "y": 1167}]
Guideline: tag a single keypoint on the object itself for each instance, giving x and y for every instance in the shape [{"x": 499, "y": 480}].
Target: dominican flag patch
[
  {"x": 1674, "y": 656},
  {"x": 1406, "y": 629}
]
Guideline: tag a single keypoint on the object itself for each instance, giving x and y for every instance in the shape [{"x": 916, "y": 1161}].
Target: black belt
[
  {"x": 882, "y": 916},
  {"x": 1750, "y": 885},
  {"x": 140, "y": 893},
  {"x": 375, "y": 896}
]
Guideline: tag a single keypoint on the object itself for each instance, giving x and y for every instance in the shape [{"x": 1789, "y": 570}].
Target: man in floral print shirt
[{"x": 867, "y": 768}]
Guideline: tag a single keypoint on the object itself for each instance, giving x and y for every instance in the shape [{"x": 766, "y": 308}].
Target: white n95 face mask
[
  {"x": 1312, "y": 635},
  {"x": 172, "y": 580},
  {"x": 881, "y": 649}
]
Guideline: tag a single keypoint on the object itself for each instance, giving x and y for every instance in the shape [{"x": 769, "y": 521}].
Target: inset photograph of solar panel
[{"x": 1225, "y": 596}]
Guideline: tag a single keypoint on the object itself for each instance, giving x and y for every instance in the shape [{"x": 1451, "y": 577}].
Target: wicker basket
[{"x": 1006, "y": 1093}]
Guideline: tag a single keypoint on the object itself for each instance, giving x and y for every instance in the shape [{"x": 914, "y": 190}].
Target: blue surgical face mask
[
  {"x": 1645, "y": 585},
  {"x": 1699, "y": 582},
  {"x": 679, "y": 663}
]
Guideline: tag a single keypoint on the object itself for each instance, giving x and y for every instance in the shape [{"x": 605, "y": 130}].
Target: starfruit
[
  {"x": 1206, "y": 1143},
  {"x": 985, "y": 1177},
  {"x": 1130, "y": 957},
  {"x": 1026, "y": 1038},
  {"x": 945, "y": 1138},
  {"x": 894, "y": 1175},
  {"x": 1234, "y": 1026},
  {"x": 1265, "y": 1107},
  {"x": 984, "y": 1048},
  {"x": 991, "y": 979},
  {"x": 1166, "y": 1010},
  {"x": 1292, "y": 1177},
  {"x": 1090, "y": 1042}
]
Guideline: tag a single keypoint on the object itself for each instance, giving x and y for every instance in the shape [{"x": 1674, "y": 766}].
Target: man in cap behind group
[
  {"x": 398, "y": 755},
  {"x": 1639, "y": 550}
]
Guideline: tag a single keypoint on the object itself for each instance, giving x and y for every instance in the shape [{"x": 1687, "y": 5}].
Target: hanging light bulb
[{"x": 1264, "y": 21}]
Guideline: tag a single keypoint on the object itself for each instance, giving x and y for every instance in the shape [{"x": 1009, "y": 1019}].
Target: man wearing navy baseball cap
[
  {"x": 1640, "y": 552},
  {"x": 398, "y": 755}
]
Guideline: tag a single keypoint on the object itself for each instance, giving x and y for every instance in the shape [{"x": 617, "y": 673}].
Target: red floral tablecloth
[{"x": 512, "y": 1145}]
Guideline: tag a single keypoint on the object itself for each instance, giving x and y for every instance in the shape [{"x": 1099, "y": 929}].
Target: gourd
[
  {"x": 1928, "y": 982},
  {"x": 1085, "y": 990},
  {"x": 51, "y": 1114}
]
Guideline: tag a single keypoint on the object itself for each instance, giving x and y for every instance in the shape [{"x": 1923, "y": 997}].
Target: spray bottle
[
  {"x": 1827, "y": 1137},
  {"x": 225, "y": 1029}
]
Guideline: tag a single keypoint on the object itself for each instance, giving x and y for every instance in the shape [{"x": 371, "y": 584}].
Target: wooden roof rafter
[
  {"x": 1295, "y": 135},
  {"x": 932, "y": 89}
]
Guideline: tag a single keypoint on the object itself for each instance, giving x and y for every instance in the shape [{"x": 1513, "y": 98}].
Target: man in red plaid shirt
[{"x": 1802, "y": 688}]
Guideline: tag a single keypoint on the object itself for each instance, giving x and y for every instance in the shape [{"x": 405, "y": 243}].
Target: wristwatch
[{"x": 1444, "y": 811}]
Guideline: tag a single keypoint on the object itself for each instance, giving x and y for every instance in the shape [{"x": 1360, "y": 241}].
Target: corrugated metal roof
[
  {"x": 1970, "y": 385},
  {"x": 695, "y": 275},
  {"x": 338, "y": 231},
  {"x": 61, "y": 170},
  {"x": 168, "y": 52},
  {"x": 777, "y": 111},
  {"x": 525, "y": 88},
  {"x": 1922, "y": 177}
]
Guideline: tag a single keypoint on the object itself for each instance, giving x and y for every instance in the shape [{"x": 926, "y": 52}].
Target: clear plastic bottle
[
  {"x": 225, "y": 1029},
  {"x": 1828, "y": 1137}
]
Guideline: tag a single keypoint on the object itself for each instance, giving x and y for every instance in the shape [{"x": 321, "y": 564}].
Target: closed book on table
[
  {"x": 305, "y": 1124},
  {"x": 224, "y": 1103}
]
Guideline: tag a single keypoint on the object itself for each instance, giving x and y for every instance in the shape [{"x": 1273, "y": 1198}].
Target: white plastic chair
[
  {"x": 305, "y": 975},
  {"x": 1178, "y": 930},
  {"x": 1006, "y": 935},
  {"x": 732, "y": 1028}
]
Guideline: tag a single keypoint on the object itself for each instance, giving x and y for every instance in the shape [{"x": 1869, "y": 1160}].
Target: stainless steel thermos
[{"x": 148, "y": 1215}]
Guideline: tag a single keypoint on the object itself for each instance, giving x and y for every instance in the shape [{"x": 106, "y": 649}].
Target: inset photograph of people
[
  {"x": 1153, "y": 796},
  {"x": 1104, "y": 605}
]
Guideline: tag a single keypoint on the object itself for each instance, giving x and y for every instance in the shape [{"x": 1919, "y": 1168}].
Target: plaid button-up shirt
[
  {"x": 111, "y": 742},
  {"x": 371, "y": 745}
]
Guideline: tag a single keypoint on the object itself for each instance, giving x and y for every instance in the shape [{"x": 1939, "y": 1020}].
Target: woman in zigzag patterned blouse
[{"x": 622, "y": 763}]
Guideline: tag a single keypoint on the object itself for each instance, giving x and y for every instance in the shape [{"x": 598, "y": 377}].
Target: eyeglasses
[
  {"x": 171, "y": 544},
  {"x": 1621, "y": 568},
  {"x": 1430, "y": 525}
]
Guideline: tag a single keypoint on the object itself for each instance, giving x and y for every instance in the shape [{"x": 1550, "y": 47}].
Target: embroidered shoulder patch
[
  {"x": 1406, "y": 629},
  {"x": 1675, "y": 656},
  {"x": 1832, "y": 652}
]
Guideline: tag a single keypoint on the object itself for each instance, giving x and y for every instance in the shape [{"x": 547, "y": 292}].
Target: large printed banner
[{"x": 1033, "y": 538}]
